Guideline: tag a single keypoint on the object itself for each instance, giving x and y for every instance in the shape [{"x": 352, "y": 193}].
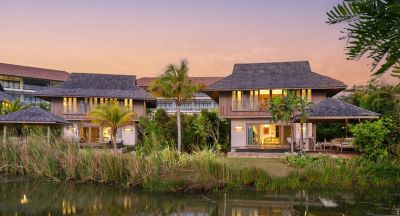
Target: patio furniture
[{"x": 347, "y": 143}]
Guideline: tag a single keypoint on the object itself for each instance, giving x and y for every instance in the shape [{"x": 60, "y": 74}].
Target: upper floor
[
  {"x": 199, "y": 101},
  {"x": 23, "y": 81},
  {"x": 247, "y": 92},
  {"x": 81, "y": 92}
]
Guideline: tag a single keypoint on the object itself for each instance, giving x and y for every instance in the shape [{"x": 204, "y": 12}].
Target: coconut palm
[
  {"x": 174, "y": 84},
  {"x": 12, "y": 106},
  {"x": 113, "y": 116}
]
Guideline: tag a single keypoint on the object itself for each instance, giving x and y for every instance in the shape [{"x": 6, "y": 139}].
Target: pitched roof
[
  {"x": 146, "y": 81},
  {"x": 334, "y": 108},
  {"x": 294, "y": 75},
  {"x": 32, "y": 115},
  {"x": 33, "y": 72},
  {"x": 97, "y": 85}
]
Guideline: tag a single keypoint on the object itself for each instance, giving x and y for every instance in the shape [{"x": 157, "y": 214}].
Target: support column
[
  {"x": 48, "y": 134},
  {"x": 100, "y": 135},
  {"x": 4, "y": 134},
  {"x": 90, "y": 135}
]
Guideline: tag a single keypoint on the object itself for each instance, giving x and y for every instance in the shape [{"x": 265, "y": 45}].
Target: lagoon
[{"x": 19, "y": 196}]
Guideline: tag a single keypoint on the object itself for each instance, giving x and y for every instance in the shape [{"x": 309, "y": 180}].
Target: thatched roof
[
  {"x": 33, "y": 72},
  {"x": 146, "y": 81},
  {"x": 32, "y": 115},
  {"x": 97, "y": 85},
  {"x": 331, "y": 108},
  {"x": 287, "y": 75}
]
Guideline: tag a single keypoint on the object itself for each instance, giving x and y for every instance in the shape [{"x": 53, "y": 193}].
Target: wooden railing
[{"x": 227, "y": 111}]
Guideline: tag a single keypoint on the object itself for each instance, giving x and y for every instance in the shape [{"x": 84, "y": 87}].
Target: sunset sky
[{"x": 142, "y": 37}]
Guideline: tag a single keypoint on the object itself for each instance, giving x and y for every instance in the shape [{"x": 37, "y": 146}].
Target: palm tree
[
  {"x": 113, "y": 116},
  {"x": 12, "y": 106},
  {"x": 174, "y": 84},
  {"x": 287, "y": 109}
]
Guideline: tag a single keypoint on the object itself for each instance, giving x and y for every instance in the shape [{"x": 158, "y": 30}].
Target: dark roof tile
[
  {"x": 33, "y": 72},
  {"x": 32, "y": 115}
]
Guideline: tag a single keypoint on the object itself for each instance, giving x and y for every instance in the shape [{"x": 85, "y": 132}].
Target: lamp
[{"x": 238, "y": 128}]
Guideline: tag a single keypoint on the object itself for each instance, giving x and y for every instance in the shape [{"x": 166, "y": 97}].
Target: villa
[
  {"x": 81, "y": 92},
  {"x": 245, "y": 95}
]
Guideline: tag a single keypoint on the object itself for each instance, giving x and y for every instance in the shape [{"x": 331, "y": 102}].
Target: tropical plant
[
  {"x": 174, "y": 84},
  {"x": 12, "y": 106},
  {"x": 376, "y": 139},
  {"x": 113, "y": 116},
  {"x": 372, "y": 30},
  {"x": 287, "y": 109}
]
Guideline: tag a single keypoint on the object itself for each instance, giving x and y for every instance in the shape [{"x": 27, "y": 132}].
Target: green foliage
[
  {"x": 330, "y": 130},
  {"x": 374, "y": 139},
  {"x": 12, "y": 106},
  {"x": 372, "y": 30},
  {"x": 175, "y": 84},
  {"x": 113, "y": 116},
  {"x": 380, "y": 98},
  {"x": 201, "y": 131}
]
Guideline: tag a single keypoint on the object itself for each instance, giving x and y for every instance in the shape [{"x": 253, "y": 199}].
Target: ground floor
[
  {"x": 89, "y": 134},
  {"x": 265, "y": 134}
]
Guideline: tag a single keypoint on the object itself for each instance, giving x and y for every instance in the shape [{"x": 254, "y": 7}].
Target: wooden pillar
[
  {"x": 90, "y": 135},
  {"x": 100, "y": 135},
  {"x": 4, "y": 134},
  {"x": 48, "y": 134},
  {"x": 345, "y": 126}
]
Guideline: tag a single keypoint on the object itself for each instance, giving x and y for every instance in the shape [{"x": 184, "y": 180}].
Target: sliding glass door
[{"x": 264, "y": 134}]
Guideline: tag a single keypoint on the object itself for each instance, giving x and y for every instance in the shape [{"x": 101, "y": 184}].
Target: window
[
  {"x": 10, "y": 82},
  {"x": 70, "y": 105}
]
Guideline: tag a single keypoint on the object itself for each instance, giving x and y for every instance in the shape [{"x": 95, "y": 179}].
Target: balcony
[{"x": 245, "y": 109}]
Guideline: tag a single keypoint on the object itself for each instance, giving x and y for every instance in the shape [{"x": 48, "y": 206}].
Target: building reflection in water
[{"x": 44, "y": 198}]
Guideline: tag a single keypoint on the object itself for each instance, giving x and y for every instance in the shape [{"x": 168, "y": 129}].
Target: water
[{"x": 20, "y": 197}]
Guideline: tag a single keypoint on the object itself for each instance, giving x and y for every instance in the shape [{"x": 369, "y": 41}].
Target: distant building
[
  {"x": 23, "y": 82},
  {"x": 199, "y": 101}
]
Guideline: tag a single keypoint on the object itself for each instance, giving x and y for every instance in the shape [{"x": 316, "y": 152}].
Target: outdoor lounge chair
[{"x": 347, "y": 143}]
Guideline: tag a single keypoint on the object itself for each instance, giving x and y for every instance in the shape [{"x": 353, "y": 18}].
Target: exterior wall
[
  {"x": 129, "y": 135},
  {"x": 318, "y": 96}
]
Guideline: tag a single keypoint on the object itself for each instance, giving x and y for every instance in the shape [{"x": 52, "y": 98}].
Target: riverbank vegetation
[{"x": 169, "y": 170}]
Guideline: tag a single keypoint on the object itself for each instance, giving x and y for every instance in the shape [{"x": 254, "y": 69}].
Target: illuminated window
[
  {"x": 309, "y": 98},
  {"x": 70, "y": 105}
]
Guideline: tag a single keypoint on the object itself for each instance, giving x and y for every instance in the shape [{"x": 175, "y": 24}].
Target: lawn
[{"x": 273, "y": 166}]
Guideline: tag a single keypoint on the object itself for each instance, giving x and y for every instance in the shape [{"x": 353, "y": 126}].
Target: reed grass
[{"x": 168, "y": 170}]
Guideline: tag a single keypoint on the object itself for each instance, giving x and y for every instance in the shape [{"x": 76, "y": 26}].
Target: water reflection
[{"x": 44, "y": 198}]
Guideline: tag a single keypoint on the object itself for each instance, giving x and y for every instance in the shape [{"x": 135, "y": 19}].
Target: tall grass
[{"x": 168, "y": 170}]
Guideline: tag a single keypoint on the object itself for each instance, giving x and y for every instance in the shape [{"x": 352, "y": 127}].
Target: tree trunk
[
  {"x": 114, "y": 138},
  {"x": 292, "y": 138},
  {"x": 301, "y": 135},
  {"x": 178, "y": 122}
]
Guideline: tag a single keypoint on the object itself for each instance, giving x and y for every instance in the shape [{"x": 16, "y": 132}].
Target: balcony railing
[{"x": 245, "y": 108}]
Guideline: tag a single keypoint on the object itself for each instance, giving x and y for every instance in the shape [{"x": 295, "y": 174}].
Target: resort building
[
  {"x": 23, "y": 82},
  {"x": 199, "y": 101},
  {"x": 81, "y": 92},
  {"x": 244, "y": 98}
]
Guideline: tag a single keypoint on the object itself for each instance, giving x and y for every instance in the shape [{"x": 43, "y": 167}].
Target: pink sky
[{"x": 142, "y": 37}]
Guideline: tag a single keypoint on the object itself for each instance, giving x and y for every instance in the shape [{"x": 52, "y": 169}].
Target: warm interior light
[
  {"x": 238, "y": 128},
  {"x": 128, "y": 129}
]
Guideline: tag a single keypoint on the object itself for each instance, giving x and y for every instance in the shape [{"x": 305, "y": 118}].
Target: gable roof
[
  {"x": 290, "y": 75},
  {"x": 334, "y": 108},
  {"x": 146, "y": 81},
  {"x": 97, "y": 85},
  {"x": 33, "y": 72},
  {"x": 32, "y": 115}
]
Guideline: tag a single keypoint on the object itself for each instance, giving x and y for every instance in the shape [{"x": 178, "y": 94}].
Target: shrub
[{"x": 374, "y": 139}]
